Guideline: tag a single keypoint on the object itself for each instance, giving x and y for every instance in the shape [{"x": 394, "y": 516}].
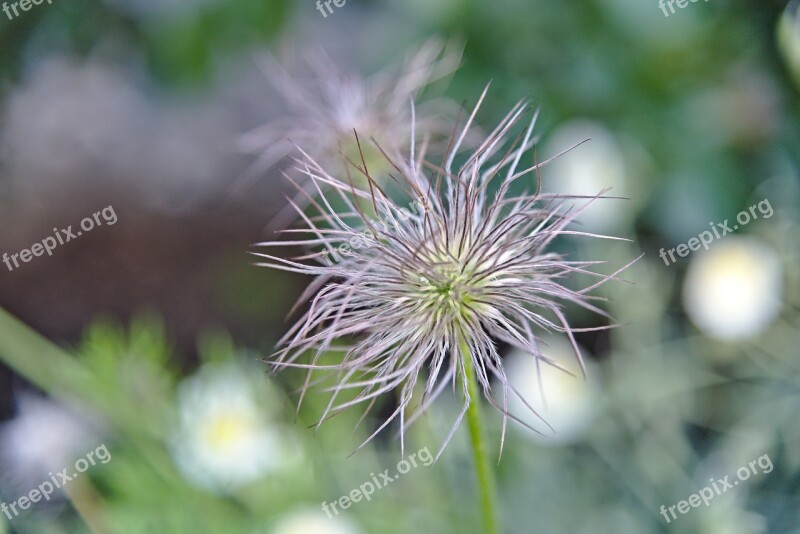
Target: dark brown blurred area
[{"x": 192, "y": 269}]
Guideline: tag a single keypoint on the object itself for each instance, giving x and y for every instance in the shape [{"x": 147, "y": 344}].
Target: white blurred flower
[
  {"x": 588, "y": 169},
  {"x": 734, "y": 290},
  {"x": 314, "y": 522},
  {"x": 567, "y": 403},
  {"x": 44, "y": 437},
  {"x": 225, "y": 437}
]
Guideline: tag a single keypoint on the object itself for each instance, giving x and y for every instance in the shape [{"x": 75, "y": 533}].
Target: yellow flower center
[{"x": 226, "y": 430}]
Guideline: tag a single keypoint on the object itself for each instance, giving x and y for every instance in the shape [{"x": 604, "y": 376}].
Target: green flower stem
[
  {"x": 38, "y": 360},
  {"x": 482, "y": 467}
]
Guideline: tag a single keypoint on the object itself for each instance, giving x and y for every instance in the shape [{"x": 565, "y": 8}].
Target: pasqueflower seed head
[
  {"x": 324, "y": 110},
  {"x": 423, "y": 295}
]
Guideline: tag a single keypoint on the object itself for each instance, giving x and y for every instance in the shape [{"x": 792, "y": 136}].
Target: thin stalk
[
  {"x": 88, "y": 505},
  {"x": 483, "y": 469}
]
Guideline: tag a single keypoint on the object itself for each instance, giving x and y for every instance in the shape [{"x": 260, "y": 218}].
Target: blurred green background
[{"x": 146, "y": 335}]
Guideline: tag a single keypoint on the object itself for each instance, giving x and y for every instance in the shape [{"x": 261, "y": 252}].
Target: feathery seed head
[
  {"x": 425, "y": 293},
  {"x": 323, "y": 113}
]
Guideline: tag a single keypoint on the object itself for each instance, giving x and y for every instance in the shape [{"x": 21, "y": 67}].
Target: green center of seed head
[
  {"x": 450, "y": 291},
  {"x": 445, "y": 289}
]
